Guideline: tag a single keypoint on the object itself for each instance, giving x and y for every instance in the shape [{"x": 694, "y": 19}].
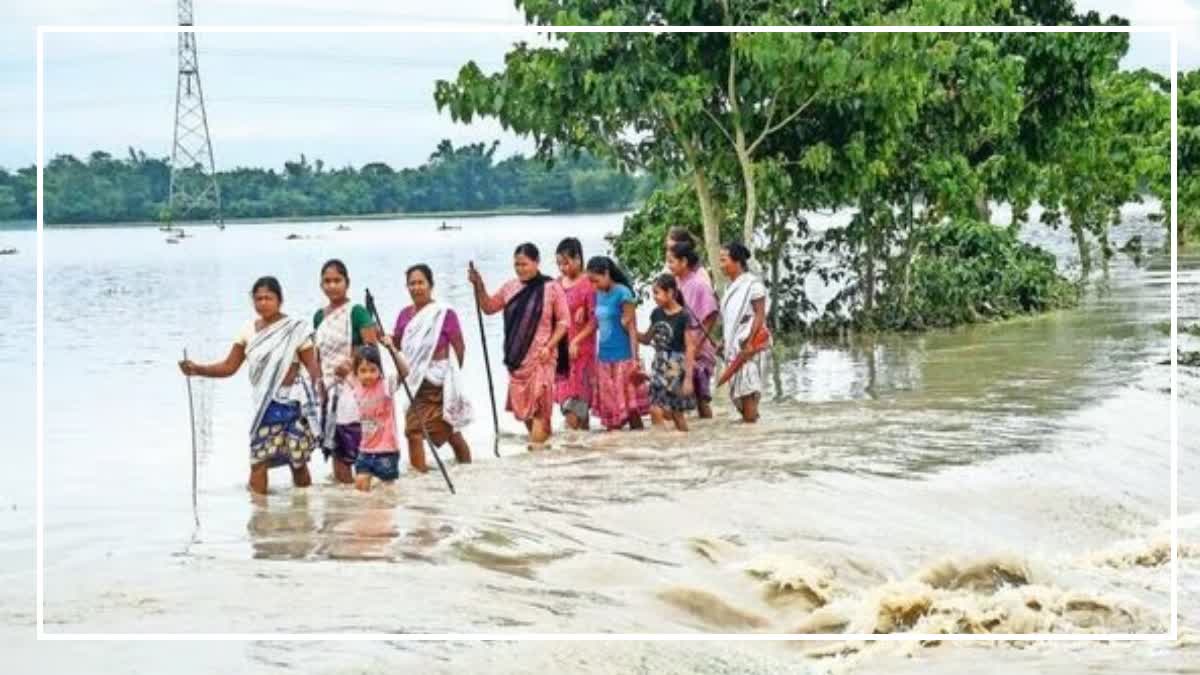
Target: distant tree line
[
  {"x": 18, "y": 194},
  {"x": 106, "y": 189}
]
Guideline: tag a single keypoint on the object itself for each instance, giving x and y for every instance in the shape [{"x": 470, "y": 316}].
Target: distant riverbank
[
  {"x": 431, "y": 215},
  {"x": 447, "y": 215}
]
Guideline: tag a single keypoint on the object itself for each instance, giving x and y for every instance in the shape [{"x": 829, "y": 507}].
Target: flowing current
[{"x": 1003, "y": 478}]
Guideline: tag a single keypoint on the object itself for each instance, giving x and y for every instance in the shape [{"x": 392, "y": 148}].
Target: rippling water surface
[{"x": 1011, "y": 477}]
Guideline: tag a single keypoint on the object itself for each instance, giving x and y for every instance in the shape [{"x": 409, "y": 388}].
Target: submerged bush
[{"x": 969, "y": 271}]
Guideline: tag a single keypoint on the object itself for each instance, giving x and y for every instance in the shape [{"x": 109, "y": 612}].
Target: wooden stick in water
[
  {"x": 487, "y": 362},
  {"x": 192, "y": 418}
]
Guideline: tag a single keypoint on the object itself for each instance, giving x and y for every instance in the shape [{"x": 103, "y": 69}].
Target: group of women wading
[{"x": 571, "y": 342}]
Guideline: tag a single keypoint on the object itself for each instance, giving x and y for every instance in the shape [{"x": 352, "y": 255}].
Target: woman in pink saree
[{"x": 536, "y": 318}]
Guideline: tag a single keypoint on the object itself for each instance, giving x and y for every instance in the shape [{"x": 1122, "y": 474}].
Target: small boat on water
[
  {"x": 8, "y": 251},
  {"x": 293, "y": 236},
  {"x": 342, "y": 228},
  {"x": 172, "y": 240},
  {"x": 446, "y": 228}
]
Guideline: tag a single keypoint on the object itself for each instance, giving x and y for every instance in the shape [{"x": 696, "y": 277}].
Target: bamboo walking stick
[
  {"x": 487, "y": 362},
  {"x": 192, "y": 417}
]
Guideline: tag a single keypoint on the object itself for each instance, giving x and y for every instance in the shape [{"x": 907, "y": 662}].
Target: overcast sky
[{"x": 347, "y": 99}]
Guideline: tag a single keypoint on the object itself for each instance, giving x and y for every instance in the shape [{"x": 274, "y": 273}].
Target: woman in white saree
[
  {"x": 283, "y": 429},
  {"x": 340, "y": 328},
  {"x": 425, "y": 332},
  {"x": 744, "y": 316}
]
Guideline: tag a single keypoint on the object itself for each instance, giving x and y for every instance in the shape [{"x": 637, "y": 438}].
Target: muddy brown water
[{"x": 1011, "y": 477}]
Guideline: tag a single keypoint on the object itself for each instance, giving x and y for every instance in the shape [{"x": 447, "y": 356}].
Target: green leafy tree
[
  {"x": 1188, "y": 118},
  {"x": 685, "y": 104},
  {"x": 1100, "y": 161},
  {"x": 694, "y": 105}
]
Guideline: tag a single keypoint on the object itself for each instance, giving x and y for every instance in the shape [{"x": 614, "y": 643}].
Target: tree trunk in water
[
  {"x": 773, "y": 317},
  {"x": 712, "y": 227},
  {"x": 1085, "y": 253},
  {"x": 773, "y": 289},
  {"x": 868, "y": 279},
  {"x": 910, "y": 242}
]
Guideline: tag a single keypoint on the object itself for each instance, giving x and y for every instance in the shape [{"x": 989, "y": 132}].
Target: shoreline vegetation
[
  {"x": 25, "y": 225},
  {"x": 333, "y": 218},
  {"x": 455, "y": 180}
]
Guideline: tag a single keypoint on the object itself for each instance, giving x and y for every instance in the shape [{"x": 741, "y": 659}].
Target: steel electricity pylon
[{"x": 194, "y": 192}]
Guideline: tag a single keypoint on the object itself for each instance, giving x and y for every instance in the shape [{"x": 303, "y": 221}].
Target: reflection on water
[
  {"x": 998, "y": 477},
  {"x": 283, "y": 529},
  {"x": 352, "y": 526}
]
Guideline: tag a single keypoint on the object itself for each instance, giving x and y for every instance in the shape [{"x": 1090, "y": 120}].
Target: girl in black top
[{"x": 671, "y": 388}]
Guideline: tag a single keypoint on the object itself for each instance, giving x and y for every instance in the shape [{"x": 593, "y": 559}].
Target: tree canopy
[{"x": 916, "y": 134}]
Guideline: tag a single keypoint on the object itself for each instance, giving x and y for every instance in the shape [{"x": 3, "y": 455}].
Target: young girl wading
[
  {"x": 700, "y": 303},
  {"x": 282, "y": 430},
  {"x": 621, "y": 394},
  {"x": 671, "y": 383},
  {"x": 374, "y": 394}
]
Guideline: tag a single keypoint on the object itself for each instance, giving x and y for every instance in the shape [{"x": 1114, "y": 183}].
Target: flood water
[{"x": 1004, "y": 478}]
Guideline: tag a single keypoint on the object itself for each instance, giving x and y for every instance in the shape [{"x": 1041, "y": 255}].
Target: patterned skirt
[
  {"x": 617, "y": 397},
  {"x": 283, "y": 437},
  {"x": 666, "y": 382}
]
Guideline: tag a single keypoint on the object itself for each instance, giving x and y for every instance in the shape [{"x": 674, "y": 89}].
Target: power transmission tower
[{"x": 193, "y": 191}]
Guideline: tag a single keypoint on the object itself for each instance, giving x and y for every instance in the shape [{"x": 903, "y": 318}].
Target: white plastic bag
[{"x": 456, "y": 407}]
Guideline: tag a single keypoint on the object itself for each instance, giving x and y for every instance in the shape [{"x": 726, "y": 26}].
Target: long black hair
[
  {"x": 603, "y": 264},
  {"x": 269, "y": 283},
  {"x": 686, "y": 252},
  {"x": 337, "y": 265},
  {"x": 529, "y": 251},
  {"x": 667, "y": 283},
  {"x": 423, "y": 269},
  {"x": 571, "y": 248},
  {"x": 738, "y": 253}
]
